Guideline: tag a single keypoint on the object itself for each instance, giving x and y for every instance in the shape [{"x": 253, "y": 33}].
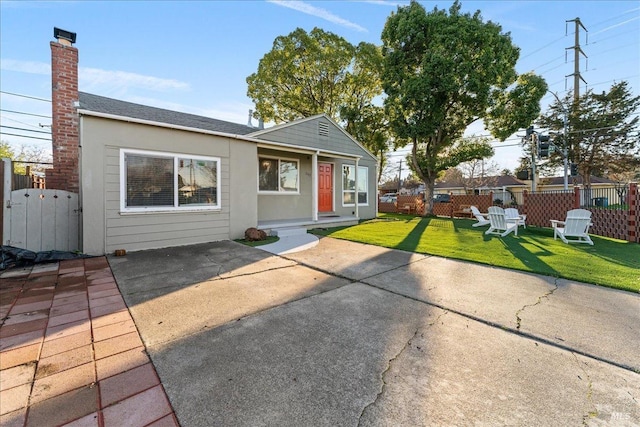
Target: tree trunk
[{"x": 428, "y": 197}]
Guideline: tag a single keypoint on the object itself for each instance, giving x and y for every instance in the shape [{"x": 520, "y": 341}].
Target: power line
[
  {"x": 615, "y": 17},
  {"x": 25, "y": 129},
  {"x": 25, "y": 114},
  {"x": 25, "y": 96},
  {"x": 543, "y": 47},
  {"x": 25, "y": 136},
  {"x": 22, "y": 123}
]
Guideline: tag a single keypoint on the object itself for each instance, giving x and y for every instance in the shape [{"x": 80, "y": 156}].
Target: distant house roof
[
  {"x": 574, "y": 180},
  {"x": 101, "y": 104},
  {"x": 485, "y": 182}
]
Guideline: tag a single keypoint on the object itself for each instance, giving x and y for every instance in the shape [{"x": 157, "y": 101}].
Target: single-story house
[
  {"x": 150, "y": 177},
  {"x": 556, "y": 183}
]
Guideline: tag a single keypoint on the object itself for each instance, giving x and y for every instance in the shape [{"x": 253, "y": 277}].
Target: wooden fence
[{"x": 621, "y": 221}]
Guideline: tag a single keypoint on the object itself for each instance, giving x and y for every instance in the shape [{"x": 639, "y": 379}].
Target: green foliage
[
  {"x": 442, "y": 72},
  {"x": 515, "y": 108},
  {"x": 6, "y": 151},
  {"x": 306, "y": 74},
  {"x": 602, "y": 136},
  {"x": 610, "y": 262}
]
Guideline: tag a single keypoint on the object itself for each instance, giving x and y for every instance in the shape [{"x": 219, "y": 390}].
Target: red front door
[{"x": 325, "y": 187}]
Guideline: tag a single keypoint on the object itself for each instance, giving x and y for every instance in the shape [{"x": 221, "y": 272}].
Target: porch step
[{"x": 288, "y": 231}]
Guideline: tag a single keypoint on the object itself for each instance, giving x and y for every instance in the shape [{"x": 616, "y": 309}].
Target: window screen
[{"x": 149, "y": 181}]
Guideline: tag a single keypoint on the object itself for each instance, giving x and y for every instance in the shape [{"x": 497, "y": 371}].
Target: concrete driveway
[{"x": 349, "y": 334}]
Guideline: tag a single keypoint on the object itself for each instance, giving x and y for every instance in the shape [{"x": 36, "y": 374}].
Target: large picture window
[
  {"x": 352, "y": 190},
  {"x": 160, "y": 181},
  {"x": 278, "y": 175}
]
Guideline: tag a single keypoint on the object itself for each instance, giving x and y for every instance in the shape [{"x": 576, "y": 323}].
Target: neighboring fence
[
  {"x": 615, "y": 211},
  {"x": 41, "y": 220},
  {"x": 34, "y": 218}
]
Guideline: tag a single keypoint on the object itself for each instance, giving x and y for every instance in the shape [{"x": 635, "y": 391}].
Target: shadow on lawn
[
  {"x": 618, "y": 252},
  {"x": 412, "y": 240}
]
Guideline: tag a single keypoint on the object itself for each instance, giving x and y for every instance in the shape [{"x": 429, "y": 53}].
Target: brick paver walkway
[{"x": 70, "y": 353}]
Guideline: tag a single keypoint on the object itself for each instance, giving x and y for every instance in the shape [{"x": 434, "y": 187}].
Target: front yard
[{"x": 610, "y": 262}]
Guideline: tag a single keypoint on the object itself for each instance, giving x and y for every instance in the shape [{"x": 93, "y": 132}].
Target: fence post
[
  {"x": 576, "y": 197},
  {"x": 633, "y": 227}
]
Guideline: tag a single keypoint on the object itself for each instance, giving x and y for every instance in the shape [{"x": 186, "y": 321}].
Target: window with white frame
[
  {"x": 278, "y": 175},
  {"x": 352, "y": 190},
  {"x": 154, "y": 181}
]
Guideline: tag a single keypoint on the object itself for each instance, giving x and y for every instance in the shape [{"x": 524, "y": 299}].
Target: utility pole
[
  {"x": 534, "y": 149},
  {"x": 565, "y": 148},
  {"x": 532, "y": 138},
  {"x": 400, "y": 176},
  {"x": 577, "y": 50}
]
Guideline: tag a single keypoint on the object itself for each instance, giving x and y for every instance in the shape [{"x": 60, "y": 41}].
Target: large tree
[
  {"x": 444, "y": 71},
  {"x": 320, "y": 72},
  {"x": 602, "y": 137}
]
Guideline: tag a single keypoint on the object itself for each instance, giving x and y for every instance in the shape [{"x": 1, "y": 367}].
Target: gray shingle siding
[{"x": 101, "y": 104}]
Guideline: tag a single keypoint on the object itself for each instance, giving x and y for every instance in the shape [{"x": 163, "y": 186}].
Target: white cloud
[
  {"x": 387, "y": 2},
  {"x": 29, "y": 67},
  {"x": 95, "y": 78},
  {"x": 303, "y": 7}
]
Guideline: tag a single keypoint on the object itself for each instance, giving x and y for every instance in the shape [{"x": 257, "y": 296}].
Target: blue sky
[{"x": 195, "y": 56}]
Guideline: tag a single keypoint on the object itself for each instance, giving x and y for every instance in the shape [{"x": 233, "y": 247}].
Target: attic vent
[{"x": 323, "y": 129}]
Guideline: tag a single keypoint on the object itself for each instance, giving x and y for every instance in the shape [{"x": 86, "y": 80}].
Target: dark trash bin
[{"x": 600, "y": 201}]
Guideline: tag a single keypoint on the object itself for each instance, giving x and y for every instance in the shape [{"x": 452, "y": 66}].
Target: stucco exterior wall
[{"x": 106, "y": 228}]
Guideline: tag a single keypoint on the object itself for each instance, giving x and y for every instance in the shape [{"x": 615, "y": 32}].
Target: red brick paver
[{"x": 70, "y": 353}]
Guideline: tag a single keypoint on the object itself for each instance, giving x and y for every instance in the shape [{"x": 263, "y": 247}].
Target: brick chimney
[{"x": 64, "y": 98}]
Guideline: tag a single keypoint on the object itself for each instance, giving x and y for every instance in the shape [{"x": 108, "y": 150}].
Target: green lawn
[{"x": 610, "y": 262}]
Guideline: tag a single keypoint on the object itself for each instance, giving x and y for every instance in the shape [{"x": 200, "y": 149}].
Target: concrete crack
[
  {"x": 539, "y": 301},
  {"x": 594, "y": 412},
  {"x": 382, "y": 376},
  {"x": 390, "y": 363}
]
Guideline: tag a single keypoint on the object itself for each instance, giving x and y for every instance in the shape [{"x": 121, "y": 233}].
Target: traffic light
[
  {"x": 574, "y": 169},
  {"x": 524, "y": 174},
  {"x": 543, "y": 146},
  {"x": 529, "y": 132}
]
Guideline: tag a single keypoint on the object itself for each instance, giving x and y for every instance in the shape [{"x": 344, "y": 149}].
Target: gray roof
[
  {"x": 101, "y": 104},
  {"x": 575, "y": 180},
  {"x": 488, "y": 181}
]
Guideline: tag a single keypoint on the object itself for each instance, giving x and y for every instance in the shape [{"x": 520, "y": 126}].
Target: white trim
[
  {"x": 314, "y": 186},
  {"x": 307, "y": 150},
  {"x": 355, "y": 191},
  {"x": 164, "y": 125},
  {"x": 278, "y": 192},
  {"x": 333, "y": 183},
  {"x": 262, "y": 143},
  {"x": 176, "y": 208}
]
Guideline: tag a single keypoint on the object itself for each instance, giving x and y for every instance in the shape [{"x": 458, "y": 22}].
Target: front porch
[{"x": 309, "y": 223}]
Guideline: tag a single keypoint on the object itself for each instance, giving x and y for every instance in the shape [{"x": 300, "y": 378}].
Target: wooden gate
[{"x": 42, "y": 220}]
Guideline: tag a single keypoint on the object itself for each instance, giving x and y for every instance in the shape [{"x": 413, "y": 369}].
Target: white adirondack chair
[
  {"x": 499, "y": 224},
  {"x": 512, "y": 214},
  {"x": 576, "y": 226},
  {"x": 482, "y": 220}
]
